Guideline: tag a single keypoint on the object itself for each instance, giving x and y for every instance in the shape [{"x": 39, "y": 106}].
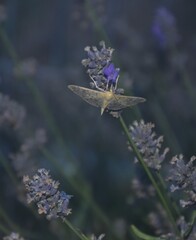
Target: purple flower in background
[
  {"x": 164, "y": 28},
  {"x": 111, "y": 73}
]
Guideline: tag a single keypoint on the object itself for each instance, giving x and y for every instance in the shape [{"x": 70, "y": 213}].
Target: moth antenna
[{"x": 96, "y": 84}]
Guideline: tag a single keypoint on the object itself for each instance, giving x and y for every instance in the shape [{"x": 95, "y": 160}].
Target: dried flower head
[
  {"x": 164, "y": 28},
  {"x": 43, "y": 190},
  {"x": 24, "y": 160},
  {"x": 183, "y": 177},
  {"x": 11, "y": 112},
  {"x": 13, "y": 236},
  {"x": 148, "y": 145}
]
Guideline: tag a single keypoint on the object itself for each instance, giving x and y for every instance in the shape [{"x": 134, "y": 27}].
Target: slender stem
[
  {"x": 171, "y": 202},
  {"x": 76, "y": 231},
  {"x": 150, "y": 176}
]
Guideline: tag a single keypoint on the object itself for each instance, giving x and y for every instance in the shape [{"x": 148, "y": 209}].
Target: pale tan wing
[
  {"x": 119, "y": 102},
  {"x": 93, "y": 97}
]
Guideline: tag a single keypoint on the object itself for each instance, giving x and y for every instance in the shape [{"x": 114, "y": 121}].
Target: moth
[{"x": 105, "y": 99}]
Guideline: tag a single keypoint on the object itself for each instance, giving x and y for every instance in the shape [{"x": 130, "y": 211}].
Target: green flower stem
[
  {"x": 150, "y": 176},
  {"x": 170, "y": 202},
  {"x": 76, "y": 231}
]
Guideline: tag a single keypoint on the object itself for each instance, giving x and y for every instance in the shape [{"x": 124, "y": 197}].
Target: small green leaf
[{"x": 142, "y": 235}]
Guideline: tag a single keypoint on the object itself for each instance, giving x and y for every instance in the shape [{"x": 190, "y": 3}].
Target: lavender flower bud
[
  {"x": 43, "y": 190},
  {"x": 147, "y": 144}
]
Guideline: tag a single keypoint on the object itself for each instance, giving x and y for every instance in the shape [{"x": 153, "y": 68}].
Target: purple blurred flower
[
  {"x": 111, "y": 73},
  {"x": 164, "y": 28},
  {"x": 11, "y": 112}
]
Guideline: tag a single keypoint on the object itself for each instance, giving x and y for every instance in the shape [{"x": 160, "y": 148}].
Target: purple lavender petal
[{"x": 111, "y": 73}]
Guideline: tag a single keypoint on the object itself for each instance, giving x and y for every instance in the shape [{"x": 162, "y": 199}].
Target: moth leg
[
  {"x": 96, "y": 84},
  {"x": 116, "y": 83}
]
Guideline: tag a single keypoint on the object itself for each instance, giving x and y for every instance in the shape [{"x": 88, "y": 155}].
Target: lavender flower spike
[
  {"x": 100, "y": 68},
  {"x": 148, "y": 145},
  {"x": 43, "y": 190}
]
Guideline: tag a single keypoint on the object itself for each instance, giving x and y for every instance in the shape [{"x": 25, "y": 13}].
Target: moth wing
[
  {"x": 119, "y": 102},
  {"x": 92, "y": 97}
]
